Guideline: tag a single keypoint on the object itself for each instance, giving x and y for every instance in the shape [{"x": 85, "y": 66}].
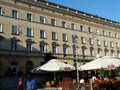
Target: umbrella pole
[{"x": 54, "y": 76}]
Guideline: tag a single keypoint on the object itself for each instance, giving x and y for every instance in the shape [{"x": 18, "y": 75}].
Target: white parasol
[{"x": 106, "y": 62}]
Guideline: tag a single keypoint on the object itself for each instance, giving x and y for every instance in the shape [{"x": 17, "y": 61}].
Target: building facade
[{"x": 31, "y": 28}]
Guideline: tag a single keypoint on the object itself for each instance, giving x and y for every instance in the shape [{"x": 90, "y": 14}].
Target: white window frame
[
  {"x": 105, "y": 43},
  {"x": 83, "y": 40},
  {"x": 54, "y": 35},
  {"x": 29, "y": 32},
  {"x": 63, "y": 24},
  {"x": 42, "y": 20},
  {"x": 42, "y": 34},
  {"x": 53, "y": 22},
  {"x": 98, "y": 42},
  {"x": 42, "y": 48},
  {"x": 15, "y": 30},
  {"x": 29, "y": 17},
  {"x": 97, "y": 31},
  {"x": 83, "y": 52},
  {"x": 116, "y": 35},
  {"x": 110, "y": 34},
  {"x": 73, "y": 26},
  {"x": 54, "y": 49},
  {"x": 29, "y": 47},
  {"x": 90, "y": 30},
  {"x": 1, "y": 27},
  {"x": 111, "y": 44},
  {"x": 104, "y": 33},
  {"x": 92, "y": 52},
  {"x": 117, "y": 45},
  {"x": 91, "y": 41},
  {"x": 1, "y": 11},
  {"x": 81, "y": 28},
  {"x": 13, "y": 45},
  {"x": 65, "y": 50},
  {"x": 64, "y": 37},
  {"x": 14, "y": 14}
]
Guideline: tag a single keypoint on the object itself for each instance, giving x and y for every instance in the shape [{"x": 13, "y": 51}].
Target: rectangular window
[
  {"x": 29, "y": 17},
  {"x": 13, "y": 45},
  {"x": 42, "y": 34},
  {"x": 74, "y": 38},
  {"x": 42, "y": 48},
  {"x": 116, "y": 35},
  {"x": 63, "y": 24},
  {"x": 54, "y": 35},
  {"x": 65, "y": 52},
  {"x": 117, "y": 45},
  {"x": 42, "y": 19},
  {"x": 15, "y": 29},
  {"x": 98, "y": 42},
  {"x": 53, "y": 22},
  {"x": 14, "y": 14},
  {"x": 29, "y": 47},
  {"x": 97, "y": 31},
  {"x": 91, "y": 41},
  {"x": 83, "y": 52},
  {"x": 0, "y": 10},
  {"x": 110, "y": 34},
  {"x": 64, "y": 37},
  {"x": 72, "y": 26},
  {"x": 92, "y": 52},
  {"x": 54, "y": 49},
  {"x": 81, "y": 28},
  {"x": 105, "y": 43},
  {"x": 1, "y": 27},
  {"x": 90, "y": 30},
  {"x": 83, "y": 41},
  {"x": 29, "y": 32},
  {"x": 111, "y": 44},
  {"x": 104, "y": 33}
]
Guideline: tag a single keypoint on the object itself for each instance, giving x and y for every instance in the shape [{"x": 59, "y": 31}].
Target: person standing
[
  {"x": 31, "y": 83},
  {"x": 20, "y": 84}
]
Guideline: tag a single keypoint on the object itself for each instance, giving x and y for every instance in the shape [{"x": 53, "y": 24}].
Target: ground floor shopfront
[{"x": 22, "y": 64}]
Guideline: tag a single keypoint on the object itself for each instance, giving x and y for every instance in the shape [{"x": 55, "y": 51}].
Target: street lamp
[
  {"x": 77, "y": 66},
  {"x": 76, "y": 60}
]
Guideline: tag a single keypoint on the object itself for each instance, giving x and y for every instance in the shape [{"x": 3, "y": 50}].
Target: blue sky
[{"x": 109, "y": 9}]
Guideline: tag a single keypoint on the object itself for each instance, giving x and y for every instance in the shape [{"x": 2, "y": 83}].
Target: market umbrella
[
  {"x": 106, "y": 62},
  {"x": 55, "y": 65}
]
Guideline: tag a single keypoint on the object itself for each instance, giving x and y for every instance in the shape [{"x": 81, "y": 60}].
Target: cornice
[{"x": 71, "y": 12}]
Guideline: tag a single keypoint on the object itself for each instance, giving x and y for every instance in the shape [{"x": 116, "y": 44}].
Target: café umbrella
[
  {"x": 55, "y": 65},
  {"x": 106, "y": 62}
]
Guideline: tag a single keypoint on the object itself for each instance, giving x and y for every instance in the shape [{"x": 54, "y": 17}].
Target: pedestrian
[
  {"x": 31, "y": 83},
  {"x": 20, "y": 84}
]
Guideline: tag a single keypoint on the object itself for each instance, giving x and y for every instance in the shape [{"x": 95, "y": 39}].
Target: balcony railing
[{"x": 38, "y": 54}]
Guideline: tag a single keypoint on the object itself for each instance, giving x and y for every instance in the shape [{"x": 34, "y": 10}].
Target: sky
[{"x": 109, "y": 9}]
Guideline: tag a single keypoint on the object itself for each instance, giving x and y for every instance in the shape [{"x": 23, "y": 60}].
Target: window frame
[
  {"x": 42, "y": 34},
  {"x": 29, "y": 17},
  {"x": 1, "y": 27},
  {"x": 14, "y": 14},
  {"x": 30, "y": 32}
]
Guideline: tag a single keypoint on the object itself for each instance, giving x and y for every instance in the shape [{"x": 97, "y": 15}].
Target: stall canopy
[{"x": 106, "y": 62}]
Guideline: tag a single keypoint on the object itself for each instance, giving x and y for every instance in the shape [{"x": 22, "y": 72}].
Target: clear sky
[{"x": 109, "y": 9}]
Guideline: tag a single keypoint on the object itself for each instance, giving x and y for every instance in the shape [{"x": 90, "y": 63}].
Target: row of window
[
  {"x": 43, "y": 49},
  {"x": 16, "y": 31},
  {"x": 29, "y": 16}
]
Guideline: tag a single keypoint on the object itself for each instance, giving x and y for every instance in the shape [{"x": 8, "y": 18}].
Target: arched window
[
  {"x": 13, "y": 67},
  {"x": 29, "y": 66}
]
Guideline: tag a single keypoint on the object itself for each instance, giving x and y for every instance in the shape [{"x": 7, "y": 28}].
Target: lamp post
[
  {"x": 76, "y": 61},
  {"x": 77, "y": 68}
]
